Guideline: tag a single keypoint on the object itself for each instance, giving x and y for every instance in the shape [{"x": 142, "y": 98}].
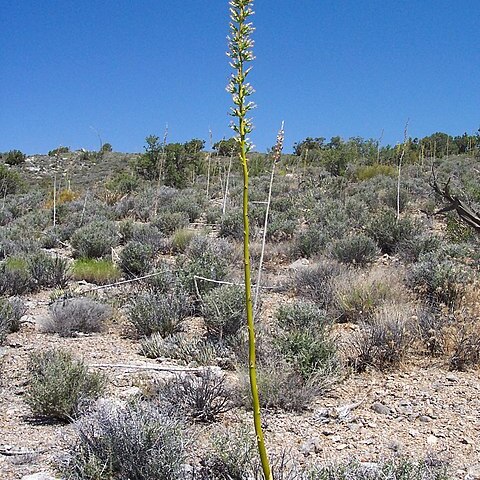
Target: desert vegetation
[{"x": 132, "y": 337}]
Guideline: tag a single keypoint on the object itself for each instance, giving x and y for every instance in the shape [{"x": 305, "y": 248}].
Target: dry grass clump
[
  {"x": 383, "y": 342},
  {"x": 358, "y": 294},
  {"x": 11, "y": 311}
]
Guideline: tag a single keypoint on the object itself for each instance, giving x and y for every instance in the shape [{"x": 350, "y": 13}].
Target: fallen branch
[
  {"x": 469, "y": 216},
  {"x": 158, "y": 368}
]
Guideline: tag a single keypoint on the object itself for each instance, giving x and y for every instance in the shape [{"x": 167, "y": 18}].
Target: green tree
[
  {"x": 148, "y": 165},
  {"x": 225, "y": 148}
]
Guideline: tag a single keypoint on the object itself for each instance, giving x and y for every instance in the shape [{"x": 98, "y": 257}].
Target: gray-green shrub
[{"x": 58, "y": 384}]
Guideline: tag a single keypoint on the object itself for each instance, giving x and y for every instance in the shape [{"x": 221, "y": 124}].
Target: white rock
[{"x": 38, "y": 476}]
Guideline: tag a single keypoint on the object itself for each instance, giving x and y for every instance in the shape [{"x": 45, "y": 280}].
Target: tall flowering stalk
[{"x": 240, "y": 53}]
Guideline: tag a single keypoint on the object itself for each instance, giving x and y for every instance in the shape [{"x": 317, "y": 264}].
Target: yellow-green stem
[{"x": 249, "y": 307}]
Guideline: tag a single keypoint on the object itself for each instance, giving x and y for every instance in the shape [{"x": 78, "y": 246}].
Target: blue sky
[{"x": 127, "y": 68}]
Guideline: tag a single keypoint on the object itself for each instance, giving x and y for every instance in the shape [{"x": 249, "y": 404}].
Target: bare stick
[
  {"x": 378, "y": 146},
  {"x": 122, "y": 282},
  {"x": 224, "y": 208},
  {"x": 405, "y": 133},
  {"x": 158, "y": 368},
  {"x": 55, "y": 199},
  {"x": 209, "y": 156},
  {"x": 276, "y": 157}
]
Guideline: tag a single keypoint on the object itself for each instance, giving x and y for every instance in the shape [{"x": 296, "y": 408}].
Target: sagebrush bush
[
  {"x": 201, "y": 397},
  {"x": 388, "y": 232},
  {"x": 311, "y": 352},
  {"x": 94, "y": 240},
  {"x": 79, "y": 314},
  {"x": 230, "y": 456},
  {"x": 431, "y": 327},
  {"x": 181, "y": 239},
  {"x": 136, "y": 259},
  {"x": 132, "y": 441},
  {"x": 11, "y": 311},
  {"x": 355, "y": 249},
  {"x": 396, "y": 469},
  {"x": 96, "y": 271},
  {"x": 466, "y": 347},
  {"x": 48, "y": 271},
  {"x": 205, "y": 257},
  {"x": 179, "y": 347},
  {"x": 439, "y": 278},
  {"x": 300, "y": 315},
  {"x": 224, "y": 311},
  {"x": 15, "y": 278},
  {"x": 316, "y": 282},
  {"x": 167, "y": 222},
  {"x": 58, "y": 384},
  {"x": 279, "y": 386},
  {"x": 384, "y": 341},
  {"x": 10, "y": 180},
  {"x": 163, "y": 314},
  {"x": 232, "y": 225}
]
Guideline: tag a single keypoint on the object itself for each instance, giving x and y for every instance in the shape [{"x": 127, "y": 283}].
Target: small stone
[
  {"x": 432, "y": 439},
  {"x": 310, "y": 446},
  {"x": 38, "y": 476},
  {"x": 341, "y": 446},
  {"x": 413, "y": 433},
  {"x": 424, "y": 418},
  {"x": 451, "y": 377},
  {"x": 381, "y": 409},
  {"x": 473, "y": 472}
]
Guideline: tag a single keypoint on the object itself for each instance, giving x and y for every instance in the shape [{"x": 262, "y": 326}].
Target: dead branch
[{"x": 466, "y": 214}]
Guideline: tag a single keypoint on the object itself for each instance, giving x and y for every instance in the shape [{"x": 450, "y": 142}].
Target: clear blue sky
[{"x": 127, "y": 68}]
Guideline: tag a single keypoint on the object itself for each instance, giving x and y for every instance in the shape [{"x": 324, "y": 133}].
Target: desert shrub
[
  {"x": 48, "y": 271},
  {"x": 231, "y": 456},
  {"x": 187, "y": 202},
  {"x": 396, "y": 469},
  {"x": 163, "y": 314},
  {"x": 181, "y": 239},
  {"x": 466, "y": 347},
  {"x": 412, "y": 248},
  {"x": 431, "y": 327},
  {"x": 438, "y": 277},
  {"x": 136, "y": 259},
  {"x": 179, "y": 347},
  {"x": 100, "y": 272},
  {"x": 315, "y": 282},
  {"x": 387, "y": 231},
  {"x": 14, "y": 157},
  {"x": 310, "y": 241},
  {"x": 366, "y": 172},
  {"x": 310, "y": 352},
  {"x": 133, "y": 441},
  {"x": 11, "y": 311},
  {"x": 94, "y": 240},
  {"x": 123, "y": 183},
  {"x": 15, "y": 278},
  {"x": 201, "y": 397},
  {"x": 10, "y": 181},
  {"x": 356, "y": 249},
  {"x": 232, "y": 225},
  {"x": 300, "y": 315},
  {"x": 213, "y": 215},
  {"x": 167, "y": 222},
  {"x": 58, "y": 151},
  {"x": 80, "y": 314},
  {"x": 58, "y": 384},
  {"x": 383, "y": 342},
  {"x": 389, "y": 198},
  {"x": 224, "y": 311},
  {"x": 149, "y": 236},
  {"x": 279, "y": 386},
  {"x": 206, "y": 258},
  {"x": 281, "y": 226},
  {"x": 357, "y": 298}
]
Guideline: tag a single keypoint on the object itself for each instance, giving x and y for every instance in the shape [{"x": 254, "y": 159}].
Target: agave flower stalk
[{"x": 240, "y": 53}]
